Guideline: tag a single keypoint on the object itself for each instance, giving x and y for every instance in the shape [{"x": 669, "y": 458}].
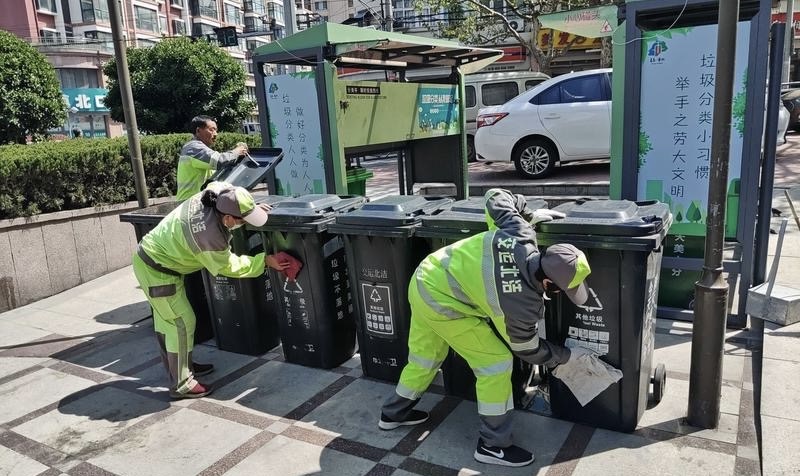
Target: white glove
[
  {"x": 544, "y": 214},
  {"x": 586, "y": 375}
]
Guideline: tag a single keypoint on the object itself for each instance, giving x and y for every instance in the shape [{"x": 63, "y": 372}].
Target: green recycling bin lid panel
[
  {"x": 610, "y": 218},
  {"x": 149, "y": 214},
  {"x": 311, "y": 208},
  {"x": 469, "y": 215},
  {"x": 394, "y": 211}
]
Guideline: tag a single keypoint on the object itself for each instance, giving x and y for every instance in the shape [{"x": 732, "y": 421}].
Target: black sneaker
[
  {"x": 199, "y": 369},
  {"x": 414, "y": 418},
  {"x": 511, "y": 456}
]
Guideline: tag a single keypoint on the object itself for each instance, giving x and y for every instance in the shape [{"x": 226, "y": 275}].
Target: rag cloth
[
  {"x": 586, "y": 375},
  {"x": 295, "y": 265}
]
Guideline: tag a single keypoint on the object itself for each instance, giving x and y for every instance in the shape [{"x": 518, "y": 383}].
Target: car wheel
[
  {"x": 535, "y": 158},
  {"x": 471, "y": 149}
]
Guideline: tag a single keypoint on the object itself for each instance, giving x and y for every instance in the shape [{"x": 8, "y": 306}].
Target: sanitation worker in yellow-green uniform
[
  {"x": 198, "y": 161},
  {"x": 194, "y": 236},
  {"x": 498, "y": 279}
]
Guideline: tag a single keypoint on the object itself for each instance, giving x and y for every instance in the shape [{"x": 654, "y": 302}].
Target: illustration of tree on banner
[{"x": 492, "y": 22}]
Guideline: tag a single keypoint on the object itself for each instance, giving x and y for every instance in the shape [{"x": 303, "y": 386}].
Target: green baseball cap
[{"x": 568, "y": 267}]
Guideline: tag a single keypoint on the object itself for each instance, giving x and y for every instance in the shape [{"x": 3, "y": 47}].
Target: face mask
[{"x": 236, "y": 227}]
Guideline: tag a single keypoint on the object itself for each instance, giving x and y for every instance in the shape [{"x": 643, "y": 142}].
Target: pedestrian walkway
[{"x": 81, "y": 394}]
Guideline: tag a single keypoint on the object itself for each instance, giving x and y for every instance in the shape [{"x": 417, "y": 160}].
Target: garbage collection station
[{"x": 358, "y": 256}]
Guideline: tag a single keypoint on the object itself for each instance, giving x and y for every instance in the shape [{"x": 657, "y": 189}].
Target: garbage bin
[
  {"x": 144, "y": 220},
  {"x": 245, "y": 311},
  {"x": 623, "y": 243},
  {"x": 316, "y": 311},
  {"x": 357, "y": 180},
  {"x": 382, "y": 255},
  {"x": 464, "y": 219}
]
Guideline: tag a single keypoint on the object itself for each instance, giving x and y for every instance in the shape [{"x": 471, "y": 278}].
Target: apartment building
[{"x": 75, "y": 36}]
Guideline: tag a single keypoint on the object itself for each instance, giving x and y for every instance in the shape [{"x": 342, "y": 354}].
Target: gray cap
[
  {"x": 237, "y": 202},
  {"x": 568, "y": 267}
]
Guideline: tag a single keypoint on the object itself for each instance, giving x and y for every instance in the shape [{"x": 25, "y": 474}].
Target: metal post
[
  {"x": 768, "y": 167},
  {"x": 121, "y": 57},
  {"x": 387, "y": 15},
  {"x": 788, "y": 41},
  {"x": 711, "y": 302},
  {"x": 290, "y": 20}
]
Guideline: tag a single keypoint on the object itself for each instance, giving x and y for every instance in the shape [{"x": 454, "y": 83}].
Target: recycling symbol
[
  {"x": 375, "y": 296},
  {"x": 606, "y": 28},
  {"x": 592, "y": 306}
]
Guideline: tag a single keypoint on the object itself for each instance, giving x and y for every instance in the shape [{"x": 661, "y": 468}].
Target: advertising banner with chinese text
[
  {"x": 677, "y": 105},
  {"x": 294, "y": 126}
]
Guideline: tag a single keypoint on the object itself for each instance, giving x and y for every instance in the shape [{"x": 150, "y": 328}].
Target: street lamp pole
[
  {"x": 711, "y": 302},
  {"x": 121, "y": 57}
]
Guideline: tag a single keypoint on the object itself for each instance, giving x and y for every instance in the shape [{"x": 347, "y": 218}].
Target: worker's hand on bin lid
[
  {"x": 568, "y": 268},
  {"x": 544, "y": 214},
  {"x": 287, "y": 264},
  {"x": 234, "y": 201}
]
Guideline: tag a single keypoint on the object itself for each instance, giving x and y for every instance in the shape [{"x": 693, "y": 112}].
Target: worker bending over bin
[
  {"x": 194, "y": 236},
  {"x": 482, "y": 296}
]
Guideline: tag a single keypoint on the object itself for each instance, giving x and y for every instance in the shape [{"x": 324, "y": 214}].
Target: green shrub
[{"x": 53, "y": 176}]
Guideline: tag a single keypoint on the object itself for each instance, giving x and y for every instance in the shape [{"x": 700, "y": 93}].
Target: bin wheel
[{"x": 659, "y": 383}]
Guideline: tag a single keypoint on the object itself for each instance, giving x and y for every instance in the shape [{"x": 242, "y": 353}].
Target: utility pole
[
  {"x": 711, "y": 302},
  {"x": 121, "y": 57},
  {"x": 788, "y": 42},
  {"x": 290, "y": 19},
  {"x": 388, "y": 16}
]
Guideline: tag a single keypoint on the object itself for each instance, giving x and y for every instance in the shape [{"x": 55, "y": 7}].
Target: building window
[
  {"x": 146, "y": 19},
  {"x": 233, "y": 15},
  {"x": 255, "y": 6},
  {"x": 99, "y": 36},
  {"x": 162, "y": 24},
  {"x": 50, "y": 36},
  {"x": 94, "y": 11},
  {"x": 321, "y": 5},
  {"x": 275, "y": 11},
  {"x": 205, "y": 8},
  {"x": 200, "y": 29},
  {"x": 251, "y": 91},
  {"x": 350, "y": 3},
  {"x": 47, "y": 5},
  {"x": 176, "y": 3},
  {"x": 71, "y": 78},
  {"x": 178, "y": 27},
  {"x": 142, "y": 43}
]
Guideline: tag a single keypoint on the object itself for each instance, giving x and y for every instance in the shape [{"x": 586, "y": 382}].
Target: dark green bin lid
[
  {"x": 464, "y": 218},
  {"x": 613, "y": 218},
  {"x": 393, "y": 211},
  {"x": 309, "y": 209}
]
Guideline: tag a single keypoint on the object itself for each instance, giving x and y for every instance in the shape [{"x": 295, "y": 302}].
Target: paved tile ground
[
  {"x": 81, "y": 393},
  {"x": 88, "y": 399}
]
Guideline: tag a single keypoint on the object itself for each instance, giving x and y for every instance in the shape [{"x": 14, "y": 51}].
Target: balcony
[{"x": 75, "y": 44}]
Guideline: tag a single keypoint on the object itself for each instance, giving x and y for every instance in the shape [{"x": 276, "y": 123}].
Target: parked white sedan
[{"x": 563, "y": 119}]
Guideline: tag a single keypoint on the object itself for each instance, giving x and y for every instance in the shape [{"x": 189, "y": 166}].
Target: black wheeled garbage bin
[
  {"x": 144, "y": 220},
  {"x": 623, "y": 242},
  {"x": 316, "y": 311},
  {"x": 464, "y": 219},
  {"x": 245, "y": 311},
  {"x": 382, "y": 254}
]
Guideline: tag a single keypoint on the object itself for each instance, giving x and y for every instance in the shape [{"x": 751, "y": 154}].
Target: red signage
[
  {"x": 512, "y": 54},
  {"x": 781, "y": 17}
]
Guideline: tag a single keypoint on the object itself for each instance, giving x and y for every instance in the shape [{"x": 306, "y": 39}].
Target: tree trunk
[{"x": 606, "y": 52}]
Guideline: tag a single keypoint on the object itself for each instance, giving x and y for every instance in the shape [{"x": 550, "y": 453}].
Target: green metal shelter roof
[{"x": 370, "y": 48}]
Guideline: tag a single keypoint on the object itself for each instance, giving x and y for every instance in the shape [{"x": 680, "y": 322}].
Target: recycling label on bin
[
  {"x": 589, "y": 328},
  {"x": 377, "y": 301},
  {"x": 224, "y": 290}
]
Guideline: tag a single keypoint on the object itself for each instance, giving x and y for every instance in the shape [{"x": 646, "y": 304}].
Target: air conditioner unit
[{"x": 517, "y": 25}]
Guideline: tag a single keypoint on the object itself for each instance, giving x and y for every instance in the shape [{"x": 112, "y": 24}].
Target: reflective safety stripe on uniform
[
  {"x": 430, "y": 336},
  {"x": 174, "y": 322}
]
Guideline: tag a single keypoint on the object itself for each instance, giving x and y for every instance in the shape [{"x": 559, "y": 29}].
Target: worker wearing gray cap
[{"x": 483, "y": 297}]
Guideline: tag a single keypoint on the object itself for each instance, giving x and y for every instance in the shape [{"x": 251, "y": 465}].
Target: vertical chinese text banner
[{"x": 294, "y": 126}]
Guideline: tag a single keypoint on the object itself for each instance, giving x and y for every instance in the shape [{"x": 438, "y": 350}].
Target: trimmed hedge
[{"x": 53, "y": 176}]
